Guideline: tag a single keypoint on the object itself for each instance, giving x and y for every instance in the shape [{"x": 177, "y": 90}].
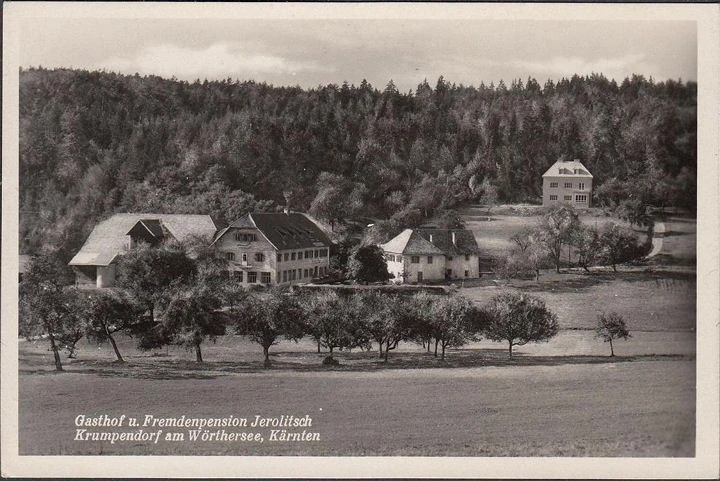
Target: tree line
[{"x": 96, "y": 143}]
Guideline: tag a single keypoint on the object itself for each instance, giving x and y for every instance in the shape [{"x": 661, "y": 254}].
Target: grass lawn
[
  {"x": 642, "y": 408},
  {"x": 648, "y": 300}
]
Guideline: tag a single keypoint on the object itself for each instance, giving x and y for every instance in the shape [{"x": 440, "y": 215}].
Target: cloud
[
  {"x": 618, "y": 67},
  {"x": 219, "y": 60}
]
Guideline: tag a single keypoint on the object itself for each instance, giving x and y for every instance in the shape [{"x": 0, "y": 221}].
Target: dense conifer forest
[{"x": 95, "y": 143}]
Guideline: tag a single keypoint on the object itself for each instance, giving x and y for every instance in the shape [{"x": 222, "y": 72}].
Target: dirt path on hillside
[{"x": 657, "y": 240}]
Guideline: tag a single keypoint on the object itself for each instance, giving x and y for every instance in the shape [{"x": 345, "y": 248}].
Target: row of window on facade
[
  {"x": 568, "y": 185},
  {"x": 286, "y": 256},
  {"x": 408, "y": 275},
  {"x": 252, "y": 277},
  {"x": 259, "y": 256},
  {"x": 308, "y": 254},
  {"x": 287, "y": 276},
  {"x": 579, "y": 198},
  {"x": 297, "y": 274},
  {"x": 241, "y": 237},
  {"x": 416, "y": 259}
]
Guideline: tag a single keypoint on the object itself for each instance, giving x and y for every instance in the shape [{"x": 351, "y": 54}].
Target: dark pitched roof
[
  {"x": 151, "y": 226},
  {"x": 284, "y": 231},
  {"x": 109, "y": 237},
  {"x": 465, "y": 242}
]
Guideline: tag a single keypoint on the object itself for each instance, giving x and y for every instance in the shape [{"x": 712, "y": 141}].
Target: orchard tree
[
  {"x": 518, "y": 318},
  {"x": 611, "y": 326},
  {"x": 451, "y": 322},
  {"x": 527, "y": 256},
  {"x": 330, "y": 319},
  {"x": 109, "y": 312},
  {"x": 75, "y": 305},
  {"x": 47, "y": 307},
  {"x": 191, "y": 316},
  {"x": 419, "y": 309},
  {"x": 267, "y": 317},
  {"x": 556, "y": 229},
  {"x": 588, "y": 246},
  {"x": 368, "y": 264},
  {"x": 147, "y": 272},
  {"x": 384, "y": 318}
]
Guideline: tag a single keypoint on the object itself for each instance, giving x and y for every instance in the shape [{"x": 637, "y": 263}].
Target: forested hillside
[{"x": 95, "y": 143}]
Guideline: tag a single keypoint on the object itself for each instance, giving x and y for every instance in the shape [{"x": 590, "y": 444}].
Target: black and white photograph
[{"x": 377, "y": 240}]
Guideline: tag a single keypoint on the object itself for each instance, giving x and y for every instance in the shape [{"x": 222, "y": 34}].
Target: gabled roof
[
  {"x": 568, "y": 168},
  {"x": 410, "y": 242},
  {"x": 109, "y": 238},
  {"x": 284, "y": 231},
  {"x": 465, "y": 242}
]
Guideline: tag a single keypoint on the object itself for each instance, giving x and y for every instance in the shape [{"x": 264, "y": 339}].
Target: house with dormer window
[
  {"x": 94, "y": 265},
  {"x": 274, "y": 248},
  {"x": 568, "y": 182}
]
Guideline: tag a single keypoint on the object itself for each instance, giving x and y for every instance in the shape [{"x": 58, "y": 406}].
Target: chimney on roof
[{"x": 454, "y": 241}]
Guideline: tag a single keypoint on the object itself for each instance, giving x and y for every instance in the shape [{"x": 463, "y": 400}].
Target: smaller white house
[{"x": 419, "y": 255}]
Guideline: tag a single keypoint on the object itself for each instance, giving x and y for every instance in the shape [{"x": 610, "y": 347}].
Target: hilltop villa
[
  {"x": 94, "y": 264},
  {"x": 418, "y": 255},
  {"x": 567, "y": 181}
]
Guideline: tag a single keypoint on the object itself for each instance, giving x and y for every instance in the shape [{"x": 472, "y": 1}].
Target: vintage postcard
[{"x": 360, "y": 240}]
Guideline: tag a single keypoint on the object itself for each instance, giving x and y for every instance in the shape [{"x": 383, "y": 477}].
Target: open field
[
  {"x": 648, "y": 300},
  {"x": 642, "y": 408}
]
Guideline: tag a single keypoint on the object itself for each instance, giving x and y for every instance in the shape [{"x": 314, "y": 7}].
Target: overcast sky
[{"x": 311, "y": 52}]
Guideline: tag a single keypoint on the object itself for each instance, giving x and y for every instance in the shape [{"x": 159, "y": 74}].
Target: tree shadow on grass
[{"x": 348, "y": 362}]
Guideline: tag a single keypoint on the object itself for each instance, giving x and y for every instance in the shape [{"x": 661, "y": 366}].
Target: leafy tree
[
  {"x": 619, "y": 244},
  {"x": 147, "y": 272},
  {"x": 267, "y": 317},
  {"x": 588, "y": 246},
  {"x": 419, "y": 311},
  {"x": 451, "y": 322},
  {"x": 47, "y": 307},
  {"x": 518, "y": 318},
  {"x": 108, "y": 312},
  {"x": 191, "y": 316},
  {"x": 340, "y": 253},
  {"x": 332, "y": 322},
  {"x": 636, "y": 211},
  {"x": 331, "y": 202},
  {"x": 527, "y": 257},
  {"x": 384, "y": 318},
  {"x": 556, "y": 229},
  {"x": 611, "y": 326},
  {"x": 368, "y": 264}
]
